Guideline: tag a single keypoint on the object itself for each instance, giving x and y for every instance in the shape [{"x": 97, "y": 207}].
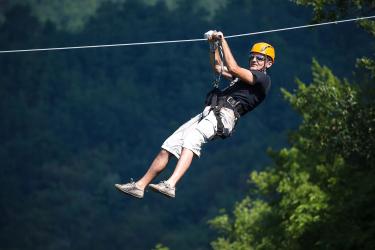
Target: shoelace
[
  {"x": 167, "y": 185},
  {"x": 132, "y": 182}
]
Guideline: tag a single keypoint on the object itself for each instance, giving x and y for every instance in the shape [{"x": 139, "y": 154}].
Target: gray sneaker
[
  {"x": 164, "y": 188},
  {"x": 130, "y": 189}
]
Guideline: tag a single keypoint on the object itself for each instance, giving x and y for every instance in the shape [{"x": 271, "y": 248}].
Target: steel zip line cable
[{"x": 186, "y": 40}]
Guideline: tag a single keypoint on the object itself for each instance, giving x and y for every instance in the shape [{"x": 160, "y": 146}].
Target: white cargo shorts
[{"x": 197, "y": 131}]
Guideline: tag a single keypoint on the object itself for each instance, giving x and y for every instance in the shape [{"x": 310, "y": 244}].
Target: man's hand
[
  {"x": 213, "y": 35},
  {"x": 208, "y": 34},
  {"x": 218, "y": 35}
]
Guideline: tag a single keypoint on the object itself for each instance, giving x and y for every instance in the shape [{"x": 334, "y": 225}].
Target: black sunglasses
[{"x": 258, "y": 57}]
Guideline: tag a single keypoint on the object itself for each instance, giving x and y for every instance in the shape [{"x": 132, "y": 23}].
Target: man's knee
[
  {"x": 187, "y": 152},
  {"x": 163, "y": 154}
]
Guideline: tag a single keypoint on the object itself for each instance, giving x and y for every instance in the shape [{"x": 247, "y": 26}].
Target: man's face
[{"x": 258, "y": 61}]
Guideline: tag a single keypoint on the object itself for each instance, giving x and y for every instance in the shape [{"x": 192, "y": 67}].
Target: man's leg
[
  {"x": 157, "y": 166},
  {"x": 136, "y": 189},
  {"x": 182, "y": 166},
  {"x": 168, "y": 187}
]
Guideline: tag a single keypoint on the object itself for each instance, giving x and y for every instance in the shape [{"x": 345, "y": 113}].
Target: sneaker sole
[
  {"x": 131, "y": 194},
  {"x": 161, "y": 192}
]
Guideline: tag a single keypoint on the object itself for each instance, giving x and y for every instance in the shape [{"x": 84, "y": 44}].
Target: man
[{"x": 248, "y": 89}]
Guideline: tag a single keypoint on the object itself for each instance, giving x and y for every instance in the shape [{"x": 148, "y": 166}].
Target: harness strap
[
  {"x": 220, "y": 126},
  {"x": 216, "y": 103}
]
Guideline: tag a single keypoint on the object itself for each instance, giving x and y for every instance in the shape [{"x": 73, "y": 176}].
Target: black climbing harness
[{"x": 216, "y": 100}]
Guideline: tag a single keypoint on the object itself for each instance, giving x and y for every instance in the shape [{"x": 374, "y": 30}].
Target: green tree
[
  {"x": 336, "y": 9},
  {"x": 318, "y": 192},
  {"x": 160, "y": 246},
  {"x": 72, "y": 16},
  {"x": 75, "y": 122}
]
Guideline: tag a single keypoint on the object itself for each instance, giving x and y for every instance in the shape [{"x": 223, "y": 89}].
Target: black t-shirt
[{"x": 249, "y": 95}]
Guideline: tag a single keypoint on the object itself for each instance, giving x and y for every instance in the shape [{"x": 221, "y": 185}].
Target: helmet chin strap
[{"x": 264, "y": 69}]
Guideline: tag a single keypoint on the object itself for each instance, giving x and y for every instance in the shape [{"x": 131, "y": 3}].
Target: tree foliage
[
  {"x": 76, "y": 122},
  {"x": 72, "y": 16},
  {"x": 333, "y": 9},
  {"x": 318, "y": 193}
]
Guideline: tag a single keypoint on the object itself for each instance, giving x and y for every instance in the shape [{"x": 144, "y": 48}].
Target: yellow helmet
[{"x": 265, "y": 49}]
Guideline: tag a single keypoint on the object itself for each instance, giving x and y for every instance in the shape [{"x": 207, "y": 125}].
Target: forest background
[{"x": 73, "y": 123}]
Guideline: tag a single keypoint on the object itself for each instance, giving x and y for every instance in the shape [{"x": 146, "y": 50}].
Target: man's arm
[
  {"x": 232, "y": 67},
  {"x": 215, "y": 62}
]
